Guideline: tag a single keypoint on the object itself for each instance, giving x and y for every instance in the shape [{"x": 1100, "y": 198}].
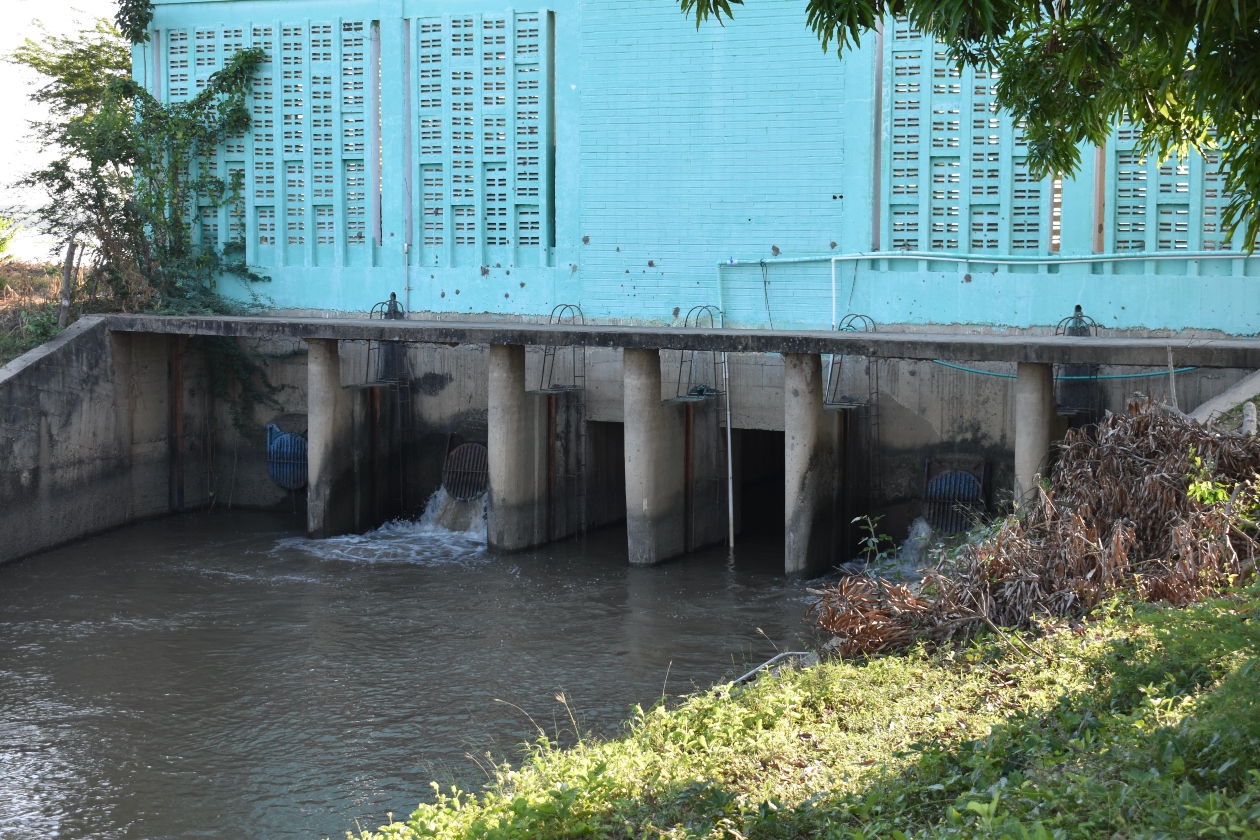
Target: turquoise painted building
[{"x": 481, "y": 159}]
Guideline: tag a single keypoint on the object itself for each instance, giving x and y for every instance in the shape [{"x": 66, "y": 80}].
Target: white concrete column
[
  {"x": 655, "y": 444},
  {"x": 515, "y": 513},
  {"x": 330, "y": 443},
  {"x": 811, "y": 468},
  {"x": 1034, "y": 419}
]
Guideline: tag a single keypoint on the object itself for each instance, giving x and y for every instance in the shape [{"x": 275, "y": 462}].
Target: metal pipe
[
  {"x": 831, "y": 357},
  {"x": 833, "y": 295},
  {"x": 689, "y": 433},
  {"x": 721, "y": 304},
  {"x": 877, "y": 143},
  {"x": 940, "y": 256},
  {"x": 769, "y": 662},
  {"x": 730, "y": 455},
  {"x": 730, "y": 463}
]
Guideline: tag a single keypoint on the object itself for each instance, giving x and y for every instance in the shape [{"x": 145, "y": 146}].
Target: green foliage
[
  {"x": 131, "y": 176},
  {"x": 874, "y": 544},
  {"x": 1203, "y": 486},
  {"x": 1239, "y": 500},
  {"x": 1144, "y": 724},
  {"x": 133, "y": 19},
  {"x": 235, "y": 377},
  {"x": 1187, "y": 72},
  {"x": 34, "y": 326},
  {"x": 175, "y": 181},
  {"x": 77, "y": 71}
]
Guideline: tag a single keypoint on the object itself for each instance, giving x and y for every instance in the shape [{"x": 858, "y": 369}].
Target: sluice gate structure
[
  {"x": 876, "y": 270},
  {"x": 129, "y": 437}
]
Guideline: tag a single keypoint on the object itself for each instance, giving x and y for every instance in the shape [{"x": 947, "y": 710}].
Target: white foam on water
[{"x": 448, "y": 531}]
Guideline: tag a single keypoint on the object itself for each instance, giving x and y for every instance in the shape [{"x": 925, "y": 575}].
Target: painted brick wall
[
  {"x": 674, "y": 149},
  {"x": 697, "y": 145}
]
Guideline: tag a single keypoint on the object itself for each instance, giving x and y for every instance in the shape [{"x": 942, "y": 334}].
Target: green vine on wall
[
  {"x": 176, "y": 186},
  {"x": 234, "y": 376}
]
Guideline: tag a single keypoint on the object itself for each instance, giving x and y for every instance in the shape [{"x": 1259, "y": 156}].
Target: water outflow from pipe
[{"x": 444, "y": 512}]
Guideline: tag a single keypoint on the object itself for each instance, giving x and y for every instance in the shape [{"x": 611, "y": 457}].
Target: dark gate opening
[
  {"x": 759, "y": 474},
  {"x": 606, "y": 473}
]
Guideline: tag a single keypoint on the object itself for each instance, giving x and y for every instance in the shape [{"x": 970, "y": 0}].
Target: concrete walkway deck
[{"x": 1147, "y": 352}]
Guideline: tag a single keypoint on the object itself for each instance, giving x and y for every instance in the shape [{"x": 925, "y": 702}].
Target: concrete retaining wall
[
  {"x": 87, "y": 431},
  {"x": 83, "y": 437}
]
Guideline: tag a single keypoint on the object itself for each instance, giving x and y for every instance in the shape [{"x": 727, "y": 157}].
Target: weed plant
[{"x": 1143, "y": 722}]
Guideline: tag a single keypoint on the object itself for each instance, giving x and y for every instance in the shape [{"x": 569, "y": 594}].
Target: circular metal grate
[
  {"x": 466, "y": 472},
  {"x": 950, "y": 496},
  {"x": 286, "y": 458}
]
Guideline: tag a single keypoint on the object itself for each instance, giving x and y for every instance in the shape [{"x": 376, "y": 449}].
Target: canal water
[{"x": 218, "y": 675}]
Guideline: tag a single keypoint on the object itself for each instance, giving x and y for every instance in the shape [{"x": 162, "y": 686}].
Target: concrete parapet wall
[
  {"x": 88, "y": 431},
  {"x": 83, "y": 444}
]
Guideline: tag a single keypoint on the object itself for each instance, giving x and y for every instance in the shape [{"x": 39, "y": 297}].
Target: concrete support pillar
[
  {"x": 175, "y": 422},
  {"x": 655, "y": 444},
  {"x": 330, "y": 496},
  {"x": 811, "y": 468},
  {"x": 1034, "y": 419},
  {"x": 516, "y": 511}
]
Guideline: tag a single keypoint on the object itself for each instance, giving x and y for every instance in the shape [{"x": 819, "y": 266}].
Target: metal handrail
[{"x": 978, "y": 259}]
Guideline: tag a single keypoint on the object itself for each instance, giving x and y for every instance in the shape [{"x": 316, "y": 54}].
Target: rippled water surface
[{"x": 217, "y": 675}]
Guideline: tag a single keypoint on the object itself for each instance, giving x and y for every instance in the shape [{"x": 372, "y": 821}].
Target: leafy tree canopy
[
  {"x": 133, "y": 19},
  {"x": 75, "y": 70},
  {"x": 1187, "y": 71}
]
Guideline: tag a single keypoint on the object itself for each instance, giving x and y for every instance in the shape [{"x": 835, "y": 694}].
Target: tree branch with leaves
[
  {"x": 1186, "y": 71},
  {"x": 131, "y": 176}
]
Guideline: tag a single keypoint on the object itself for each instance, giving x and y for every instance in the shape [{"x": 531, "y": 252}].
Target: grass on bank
[{"x": 1143, "y": 722}]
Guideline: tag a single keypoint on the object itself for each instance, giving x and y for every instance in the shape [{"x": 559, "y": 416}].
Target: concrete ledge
[
  {"x": 1222, "y": 403},
  {"x": 85, "y": 324},
  {"x": 1150, "y": 352}
]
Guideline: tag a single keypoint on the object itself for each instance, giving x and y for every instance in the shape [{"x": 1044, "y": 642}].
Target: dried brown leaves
[{"x": 1116, "y": 516}]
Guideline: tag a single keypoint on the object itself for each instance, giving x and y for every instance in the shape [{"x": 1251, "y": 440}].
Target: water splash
[
  {"x": 444, "y": 512},
  {"x": 448, "y": 531}
]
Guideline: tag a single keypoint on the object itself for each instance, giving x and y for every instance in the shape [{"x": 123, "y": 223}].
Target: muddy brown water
[{"x": 217, "y": 675}]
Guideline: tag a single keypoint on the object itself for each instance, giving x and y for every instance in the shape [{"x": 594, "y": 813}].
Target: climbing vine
[
  {"x": 235, "y": 377},
  {"x": 154, "y": 251}
]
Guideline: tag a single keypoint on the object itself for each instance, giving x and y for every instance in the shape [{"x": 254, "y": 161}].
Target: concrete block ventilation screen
[
  {"x": 486, "y": 88},
  {"x": 473, "y": 122},
  {"x": 1171, "y": 206},
  {"x": 956, "y": 177}
]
